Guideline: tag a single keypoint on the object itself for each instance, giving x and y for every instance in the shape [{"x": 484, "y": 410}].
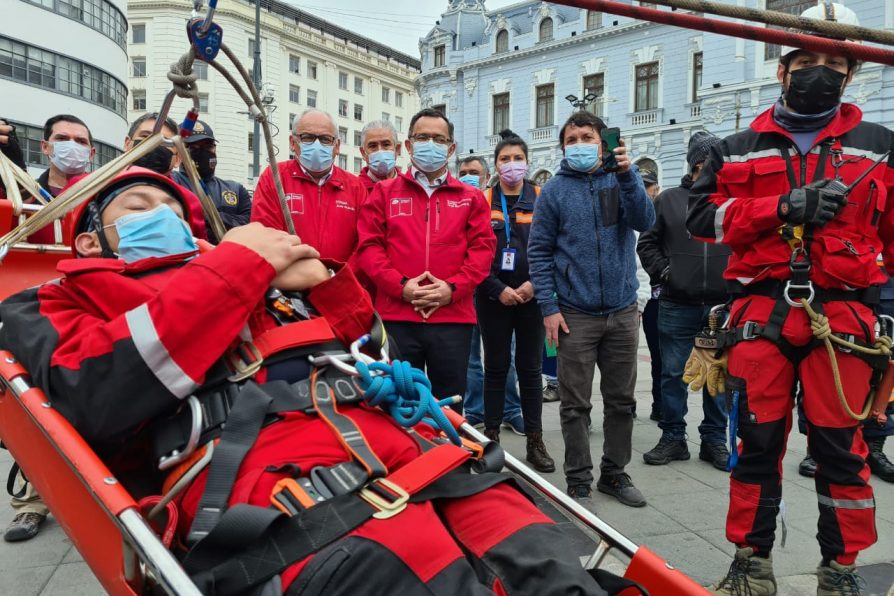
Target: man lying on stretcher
[{"x": 142, "y": 331}]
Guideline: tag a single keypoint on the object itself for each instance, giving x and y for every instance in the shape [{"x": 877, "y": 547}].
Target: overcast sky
[{"x": 397, "y": 23}]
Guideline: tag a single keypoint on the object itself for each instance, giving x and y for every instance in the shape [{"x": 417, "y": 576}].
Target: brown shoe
[
  {"x": 492, "y": 434},
  {"x": 24, "y": 526},
  {"x": 537, "y": 455},
  {"x": 748, "y": 574}
]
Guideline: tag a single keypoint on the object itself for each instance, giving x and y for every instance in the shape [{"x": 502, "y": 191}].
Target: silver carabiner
[
  {"x": 166, "y": 462},
  {"x": 811, "y": 293}
]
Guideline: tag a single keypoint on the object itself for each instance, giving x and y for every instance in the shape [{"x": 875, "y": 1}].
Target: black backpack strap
[
  {"x": 11, "y": 482},
  {"x": 615, "y": 584}
]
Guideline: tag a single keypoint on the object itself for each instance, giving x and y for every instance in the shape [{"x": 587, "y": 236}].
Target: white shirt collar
[{"x": 322, "y": 180}]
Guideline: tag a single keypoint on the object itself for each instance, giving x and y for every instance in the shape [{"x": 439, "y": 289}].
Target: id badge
[{"x": 507, "y": 261}]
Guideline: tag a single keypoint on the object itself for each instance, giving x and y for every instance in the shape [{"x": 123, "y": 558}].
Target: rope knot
[
  {"x": 182, "y": 77},
  {"x": 884, "y": 344},
  {"x": 820, "y": 327}
]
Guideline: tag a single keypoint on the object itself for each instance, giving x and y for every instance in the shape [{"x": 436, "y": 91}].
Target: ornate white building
[{"x": 305, "y": 62}]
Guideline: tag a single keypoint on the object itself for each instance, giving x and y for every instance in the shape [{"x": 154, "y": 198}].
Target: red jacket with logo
[
  {"x": 404, "y": 232},
  {"x": 735, "y": 198},
  {"x": 117, "y": 345},
  {"x": 368, "y": 182},
  {"x": 324, "y": 216}
]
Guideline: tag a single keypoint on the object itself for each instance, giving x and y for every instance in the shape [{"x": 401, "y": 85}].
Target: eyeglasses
[
  {"x": 424, "y": 138},
  {"x": 309, "y": 138}
]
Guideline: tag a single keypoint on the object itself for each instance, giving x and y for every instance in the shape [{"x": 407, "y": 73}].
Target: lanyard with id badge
[{"x": 507, "y": 256}]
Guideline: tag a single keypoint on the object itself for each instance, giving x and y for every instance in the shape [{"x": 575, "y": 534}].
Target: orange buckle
[
  {"x": 475, "y": 448},
  {"x": 386, "y": 496},
  {"x": 242, "y": 367},
  {"x": 290, "y": 497}
]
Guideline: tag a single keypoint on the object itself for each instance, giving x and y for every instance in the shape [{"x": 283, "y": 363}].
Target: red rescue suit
[
  {"x": 324, "y": 216},
  {"x": 734, "y": 202},
  {"x": 120, "y": 345}
]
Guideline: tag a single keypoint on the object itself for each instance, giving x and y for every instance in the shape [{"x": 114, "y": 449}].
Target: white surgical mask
[{"x": 70, "y": 157}]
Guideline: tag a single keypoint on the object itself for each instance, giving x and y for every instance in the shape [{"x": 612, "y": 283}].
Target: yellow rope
[{"x": 819, "y": 324}]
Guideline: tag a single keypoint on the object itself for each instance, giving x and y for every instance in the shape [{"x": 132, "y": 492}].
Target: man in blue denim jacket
[{"x": 582, "y": 255}]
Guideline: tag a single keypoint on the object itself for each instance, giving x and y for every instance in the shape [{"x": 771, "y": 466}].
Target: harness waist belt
[{"x": 774, "y": 288}]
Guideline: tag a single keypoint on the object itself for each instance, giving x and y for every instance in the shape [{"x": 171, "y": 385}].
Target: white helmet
[{"x": 825, "y": 10}]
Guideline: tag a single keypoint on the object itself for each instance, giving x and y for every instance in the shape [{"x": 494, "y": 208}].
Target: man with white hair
[
  {"x": 380, "y": 149},
  {"x": 323, "y": 199}
]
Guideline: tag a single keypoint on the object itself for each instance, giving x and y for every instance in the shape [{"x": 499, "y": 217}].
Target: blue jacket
[{"x": 582, "y": 247}]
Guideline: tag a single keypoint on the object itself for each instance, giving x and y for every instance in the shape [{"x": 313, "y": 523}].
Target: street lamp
[{"x": 581, "y": 104}]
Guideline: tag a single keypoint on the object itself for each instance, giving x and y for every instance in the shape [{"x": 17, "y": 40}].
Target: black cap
[
  {"x": 201, "y": 132},
  {"x": 649, "y": 178}
]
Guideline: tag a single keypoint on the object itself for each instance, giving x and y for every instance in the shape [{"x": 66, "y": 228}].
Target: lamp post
[
  {"x": 582, "y": 103},
  {"x": 256, "y": 150}
]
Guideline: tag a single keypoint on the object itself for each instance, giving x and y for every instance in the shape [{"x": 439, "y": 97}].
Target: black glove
[{"x": 817, "y": 203}]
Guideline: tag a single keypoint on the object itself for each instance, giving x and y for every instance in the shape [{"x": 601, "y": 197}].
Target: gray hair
[
  {"x": 314, "y": 111},
  {"x": 472, "y": 158},
  {"x": 386, "y": 124}
]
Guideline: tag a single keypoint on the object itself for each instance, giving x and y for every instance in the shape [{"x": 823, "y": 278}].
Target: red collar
[
  {"x": 847, "y": 118},
  {"x": 79, "y": 266}
]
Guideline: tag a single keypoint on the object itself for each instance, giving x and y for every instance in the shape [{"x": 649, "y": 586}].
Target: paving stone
[
  {"x": 25, "y": 581},
  {"x": 72, "y": 579}
]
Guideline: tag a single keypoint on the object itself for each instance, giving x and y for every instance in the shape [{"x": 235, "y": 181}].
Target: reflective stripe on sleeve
[
  {"x": 155, "y": 355},
  {"x": 718, "y": 220}
]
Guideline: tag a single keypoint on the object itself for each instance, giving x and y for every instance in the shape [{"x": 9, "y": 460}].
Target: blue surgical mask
[
  {"x": 154, "y": 233},
  {"x": 471, "y": 180},
  {"x": 582, "y": 156},
  {"x": 429, "y": 156},
  {"x": 70, "y": 157},
  {"x": 381, "y": 163},
  {"x": 316, "y": 157}
]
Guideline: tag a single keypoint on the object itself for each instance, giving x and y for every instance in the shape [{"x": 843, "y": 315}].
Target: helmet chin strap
[{"x": 107, "y": 252}]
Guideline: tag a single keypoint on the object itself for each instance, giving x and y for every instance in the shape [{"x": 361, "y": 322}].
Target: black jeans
[
  {"x": 497, "y": 323},
  {"x": 441, "y": 350}
]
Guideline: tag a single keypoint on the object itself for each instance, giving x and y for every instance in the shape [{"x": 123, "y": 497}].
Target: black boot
[
  {"x": 878, "y": 462},
  {"x": 493, "y": 434},
  {"x": 807, "y": 467},
  {"x": 537, "y": 455}
]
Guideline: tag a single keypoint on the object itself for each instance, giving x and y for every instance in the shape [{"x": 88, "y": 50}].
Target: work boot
[
  {"x": 748, "y": 574},
  {"x": 878, "y": 462},
  {"x": 23, "y": 526},
  {"x": 537, "y": 455},
  {"x": 493, "y": 434},
  {"x": 807, "y": 467},
  {"x": 551, "y": 392},
  {"x": 582, "y": 493},
  {"x": 620, "y": 486},
  {"x": 715, "y": 453},
  {"x": 666, "y": 451},
  {"x": 838, "y": 580}
]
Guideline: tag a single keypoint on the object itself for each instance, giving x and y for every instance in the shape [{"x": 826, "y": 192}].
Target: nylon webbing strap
[
  {"x": 349, "y": 435},
  {"x": 239, "y": 434}
]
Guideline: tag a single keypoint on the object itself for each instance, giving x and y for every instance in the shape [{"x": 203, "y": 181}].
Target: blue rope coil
[{"x": 405, "y": 393}]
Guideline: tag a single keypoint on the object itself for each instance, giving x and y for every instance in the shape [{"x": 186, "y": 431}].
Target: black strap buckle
[
  {"x": 245, "y": 361},
  {"x": 386, "y": 496},
  {"x": 749, "y": 331}
]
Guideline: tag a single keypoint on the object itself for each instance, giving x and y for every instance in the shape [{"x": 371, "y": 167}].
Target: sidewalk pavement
[{"x": 683, "y": 521}]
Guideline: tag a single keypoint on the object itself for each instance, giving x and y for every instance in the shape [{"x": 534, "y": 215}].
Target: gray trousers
[{"x": 611, "y": 343}]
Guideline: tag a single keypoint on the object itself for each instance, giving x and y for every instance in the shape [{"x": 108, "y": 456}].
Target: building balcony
[
  {"x": 492, "y": 140},
  {"x": 544, "y": 134},
  {"x": 646, "y": 117},
  {"x": 695, "y": 110}
]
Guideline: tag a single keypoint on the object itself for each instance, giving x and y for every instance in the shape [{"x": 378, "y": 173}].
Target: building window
[
  {"x": 440, "y": 55},
  {"x": 200, "y": 69},
  {"x": 501, "y": 112},
  {"x": 398, "y": 99},
  {"x": 398, "y": 123},
  {"x": 292, "y": 117},
  {"x": 646, "y": 87},
  {"x": 100, "y": 15},
  {"x": 343, "y": 80},
  {"x": 203, "y": 103},
  {"x": 39, "y": 67},
  {"x": 312, "y": 70},
  {"x": 502, "y": 41},
  {"x": 139, "y": 66},
  {"x": 251, "y": 48},
  {"x": 386, "y": 116},
  {"x": 358, "y": 165},
  {"x": 795, "y": 7},
  {"x": 358, "y": 112},
  {"x": 294, "y": 94},
  {"x": 251, "y": 141},
  {"x": 386, "y": 95},
  {"x": 358, "y": 138},
  {"x": 546, "y": 29},
  {"x": 594, "y": 20},
  {"x": 311, "y": 98},
  {"x": 343, "y": 162},
  {"x": 358, "y": 85},
  {"x": 545, "y": 105},
  {"x": 294, "y": 64},
  {"x": 696, "y": 75},
  {"x": 595, "y": 84},
  {"x": 440, "y": 108},
  {"x": 343, "y": 135},
  {"x": 138, "y": 33},
  {"x": 343, "y": 107},
  {"x": 139, "y": 99}
]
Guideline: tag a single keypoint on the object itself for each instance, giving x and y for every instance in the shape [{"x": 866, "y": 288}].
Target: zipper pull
[
  {"x": 851, "y": 247},
  {"x": 427, "y": 209}
]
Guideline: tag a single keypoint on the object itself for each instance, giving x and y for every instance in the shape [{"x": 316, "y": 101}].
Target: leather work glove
[
  {"x": 817, "y": 203},
  {"x": 705, "y": 367}
]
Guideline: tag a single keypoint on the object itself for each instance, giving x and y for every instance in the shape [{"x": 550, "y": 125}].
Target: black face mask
[
  {"x": 205, "y": 160},
  {"x": 158, "y": 161},
  {"x": 814, "y": 90}
]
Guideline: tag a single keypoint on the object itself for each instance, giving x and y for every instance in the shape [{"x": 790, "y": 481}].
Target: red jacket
[
  {"x": 404, "y": 232},
  {"x": 117, "y": 345},
  {"x": 735, "y": 198},
  {"x": 368, "y": 182},
  {"x": 324, "y": 216}
]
